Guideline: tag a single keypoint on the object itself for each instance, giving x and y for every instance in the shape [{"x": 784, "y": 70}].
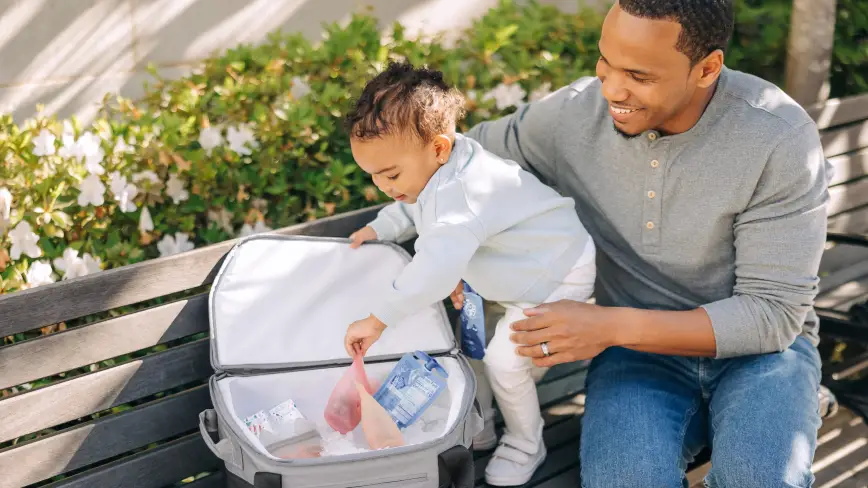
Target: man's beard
[{"x": 621, "y": 133}]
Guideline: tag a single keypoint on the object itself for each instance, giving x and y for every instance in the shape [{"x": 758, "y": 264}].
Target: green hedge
[{"x": 251, "y": 140}]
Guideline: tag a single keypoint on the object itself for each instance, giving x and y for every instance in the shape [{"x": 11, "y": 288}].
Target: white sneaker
[
  {"x": 486, "y": 439},
  {"x": 514, "y": 461}
]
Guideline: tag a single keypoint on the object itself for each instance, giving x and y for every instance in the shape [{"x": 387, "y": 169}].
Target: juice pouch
[
  {"x": 343, "y": 410},
  {"x": 411, "y": 387},
  {"x": 472, "y": 325}
]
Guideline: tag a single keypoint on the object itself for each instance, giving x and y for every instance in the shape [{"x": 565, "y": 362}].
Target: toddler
[{"x": 480, "y": 219}]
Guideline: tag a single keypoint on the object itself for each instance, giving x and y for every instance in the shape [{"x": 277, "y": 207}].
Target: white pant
[{"x": 510, "y": 378}]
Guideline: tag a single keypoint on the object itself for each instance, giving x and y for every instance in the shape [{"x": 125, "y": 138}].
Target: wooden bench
[{"x": 133, "y": 424}]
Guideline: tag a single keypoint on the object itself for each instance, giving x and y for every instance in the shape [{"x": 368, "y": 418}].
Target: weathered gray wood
[
  {"x": 844, "y": 139},
  {"x": 841, "y": 256},
  {"x": 216, "y": 480},
  {"x": 567, "y": 479},
  {"x": 809, "y": 51},
  {"x": 102, "y": 438},
  {"x": 839, "y": 111},
  {"x": 853, "y": 222},
  {"x": 56, "y": 302},
  {"x": 849, "y": 166},
  {"x": 74, "y": 348},
  {"x": 154, "y": 468},
  {"x": 75, "y": 398},
  {"x": 849, "y": 196}
]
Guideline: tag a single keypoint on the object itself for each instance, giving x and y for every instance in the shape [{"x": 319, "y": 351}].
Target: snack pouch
[
  {"x": 472, "y": 324},
  {"x": 411, "y": 387},
  {"x": 343, "y": 410}
]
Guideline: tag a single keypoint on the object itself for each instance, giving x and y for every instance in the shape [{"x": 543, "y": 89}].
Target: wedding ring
[{"x": 545, "y": 349}]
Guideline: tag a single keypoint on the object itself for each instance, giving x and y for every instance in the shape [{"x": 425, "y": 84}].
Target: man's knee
[
  {"x": 609, "y": 469},
  {"x": 762, "y": 469}
]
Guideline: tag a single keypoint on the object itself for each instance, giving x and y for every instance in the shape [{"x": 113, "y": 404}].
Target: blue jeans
[{"x": 648, "y": 415}]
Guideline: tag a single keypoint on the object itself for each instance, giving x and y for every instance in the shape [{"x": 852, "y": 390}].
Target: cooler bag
[{"x": 278, "y": 311}]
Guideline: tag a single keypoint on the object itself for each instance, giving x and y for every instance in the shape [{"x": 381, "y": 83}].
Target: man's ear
[
  {"x": 442, "y": 148},
  {"x": 709, "y": 69}
]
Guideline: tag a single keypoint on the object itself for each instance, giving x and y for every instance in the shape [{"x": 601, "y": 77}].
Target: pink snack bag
[{"x": 343, "y": 411}]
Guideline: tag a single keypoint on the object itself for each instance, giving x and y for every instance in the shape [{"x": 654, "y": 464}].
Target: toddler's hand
[
  {"x": 366, "y": 233},
  {"x": 362, "y": 334},
  {"x": 457, "y": 296}
]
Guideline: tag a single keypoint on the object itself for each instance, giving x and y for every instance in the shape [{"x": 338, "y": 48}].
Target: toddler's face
[{"x": 401, "y": 166}]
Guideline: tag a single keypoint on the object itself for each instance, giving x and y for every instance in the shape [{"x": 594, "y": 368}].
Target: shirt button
[
  {"x": 649, "y": 225},
  {"x": 651, "y": 194},
  {"x": 652, "y": 136},
  {"x": 655, "y": 163}
]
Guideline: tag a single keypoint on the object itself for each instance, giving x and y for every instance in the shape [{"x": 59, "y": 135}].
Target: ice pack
[
  {"x": 472, "y": 324},
  {"x": 411, "y": 387}
]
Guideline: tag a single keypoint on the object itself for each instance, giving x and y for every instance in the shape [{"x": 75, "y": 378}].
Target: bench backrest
[
  {"x": 166, "y": 386},
  {"x": 154, "y": 442}
]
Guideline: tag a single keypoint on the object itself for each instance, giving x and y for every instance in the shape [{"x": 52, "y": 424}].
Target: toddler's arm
[
  {"x": 441, "y": 258},
  {"x": 394, "y": 223}
]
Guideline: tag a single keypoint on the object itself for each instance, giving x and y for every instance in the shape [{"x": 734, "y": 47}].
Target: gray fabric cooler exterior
[{"x": 278, "y": 311}]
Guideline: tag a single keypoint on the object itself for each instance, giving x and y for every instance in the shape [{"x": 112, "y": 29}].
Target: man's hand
[
  {"x": 573, "y": 331},
  {"x": 362, "y": 334},
  {"x": 366, "y": 233},
  {"x": 457, "y": 296}
]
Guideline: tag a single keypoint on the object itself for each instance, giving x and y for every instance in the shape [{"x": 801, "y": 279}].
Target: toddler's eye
[{"x": 394, "y": 177}]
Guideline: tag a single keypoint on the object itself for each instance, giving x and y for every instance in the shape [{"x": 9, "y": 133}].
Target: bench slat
[
  {"x": 154, "y": 468},
  {"x": 102, "y": 438},
  {"x": 49, "y": 304},
  {"x": 46, "y": 356},
  {"x": 33, "y": 411},
  {"x": 847, "y": 197},
  {"x": 849, "y": 166},
  {"x": 852, "y": 222},
  {"x": 845, "y": 139},
  {"x": 839, "y": 111}
]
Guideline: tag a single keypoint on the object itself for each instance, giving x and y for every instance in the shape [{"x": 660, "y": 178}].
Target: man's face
[{"x": 646, "y": 80}]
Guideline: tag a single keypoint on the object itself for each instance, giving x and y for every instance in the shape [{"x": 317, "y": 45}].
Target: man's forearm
[{"x": 687, "y": 333}]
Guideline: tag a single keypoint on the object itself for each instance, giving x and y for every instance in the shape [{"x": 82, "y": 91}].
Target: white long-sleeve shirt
[{"x": 487, "y": 221}]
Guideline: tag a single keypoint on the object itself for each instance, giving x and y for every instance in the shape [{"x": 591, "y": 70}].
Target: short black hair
[
  {"x": 407, "y": 100},
  {"x": 706, "y": 25}
]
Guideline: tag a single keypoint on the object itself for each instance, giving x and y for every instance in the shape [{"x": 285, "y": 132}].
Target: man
[{"x": 705, "y": 190}]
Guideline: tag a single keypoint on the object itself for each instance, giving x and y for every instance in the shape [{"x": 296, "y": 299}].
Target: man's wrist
[{"x": 626, "y": 326}]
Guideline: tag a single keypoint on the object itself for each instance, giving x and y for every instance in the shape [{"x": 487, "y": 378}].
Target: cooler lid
[{"x": 284, "y": 302}]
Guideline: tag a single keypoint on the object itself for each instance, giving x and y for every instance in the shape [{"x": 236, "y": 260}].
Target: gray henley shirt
[{"x": 729, "y": 216}]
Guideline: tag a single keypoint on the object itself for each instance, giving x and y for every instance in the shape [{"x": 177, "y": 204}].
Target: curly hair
[
  {"x": 706, "y": 25},
  {"x": 405, "y": 100}
]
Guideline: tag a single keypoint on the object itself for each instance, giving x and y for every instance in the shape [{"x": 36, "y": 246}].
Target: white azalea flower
[
  {"x": 74, "y": 266},
  {"x": 146, "y": 175},
  {"x": 222, "y": 218},
  {"x": 540, "y": 92},
  {"x": 506, "y": 96},
  {"x": 43, "y": 145},
  {"x": 92, "y": 191},
  {"x": 122, "y": 147},
  {"x": 258, "y": 228},
  {"x": 175, "y": 189},
  {"x": 299, "y": 88},
  {"x": 5, "y": 207},
  {"x": 169, "y": 245},
  {"x": 24, "y": 241},
  {"x": 241, "y": 140},
  {"x": 471, "y": 94},
  {"x": 123, "y": 191},
  {"x": 209, "y": 138},
  {"x": 40, "y": 273},
  {"x": 146, "y": 223}
]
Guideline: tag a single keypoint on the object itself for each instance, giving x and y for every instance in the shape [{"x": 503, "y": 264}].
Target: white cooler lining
[
  {"x": 243, "y": 396},
  {"x": 282, "y": 301}
]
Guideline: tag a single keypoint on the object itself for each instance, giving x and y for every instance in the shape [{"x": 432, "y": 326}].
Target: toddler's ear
[{"x": 442, "y": 148}]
